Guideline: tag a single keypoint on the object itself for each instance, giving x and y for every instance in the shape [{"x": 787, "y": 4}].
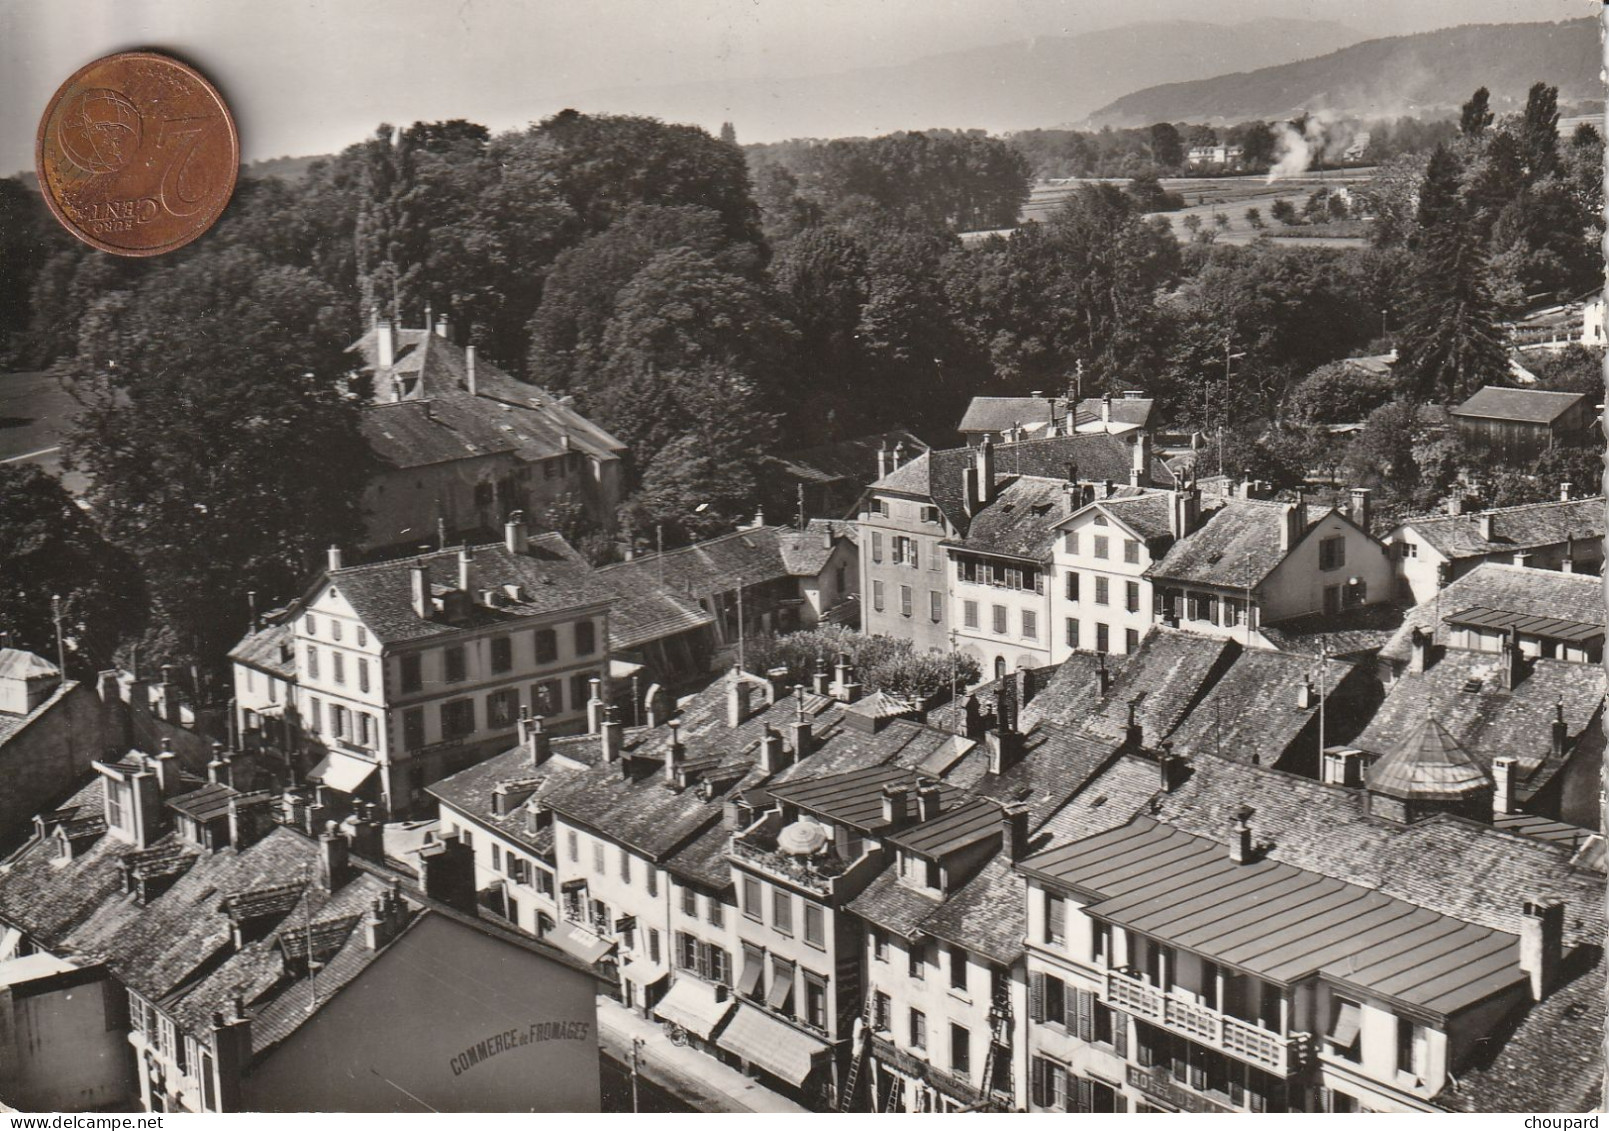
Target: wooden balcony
[{"x": 1243, "y": 1040}]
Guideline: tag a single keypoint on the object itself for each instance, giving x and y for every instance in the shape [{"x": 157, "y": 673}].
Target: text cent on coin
[{"x": 137, "y": 154}]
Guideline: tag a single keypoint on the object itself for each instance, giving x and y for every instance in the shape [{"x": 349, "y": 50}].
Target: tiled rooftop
[{"x": 1517, "y": 589}]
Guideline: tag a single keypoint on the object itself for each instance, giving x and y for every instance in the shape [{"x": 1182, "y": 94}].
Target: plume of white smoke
[{"x": 1295, "y": 150}]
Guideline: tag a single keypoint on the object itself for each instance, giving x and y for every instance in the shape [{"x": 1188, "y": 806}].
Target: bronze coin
[{"x": 137, "y": 154}]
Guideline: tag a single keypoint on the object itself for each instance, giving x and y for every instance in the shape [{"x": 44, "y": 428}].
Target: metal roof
[
  {"x": 1278, "y": 921},
  {"x": 208, "y": 803},
  {"x": 955, "y": 829},
  {"x": 1428, "y": 764},
  {"x": 1556, "y": 628},
  {"x": 855, "y": 798}
]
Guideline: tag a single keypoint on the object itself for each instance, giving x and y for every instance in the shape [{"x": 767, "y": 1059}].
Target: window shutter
[
  {"x": 1036, "y": 996},
  {"x": 1120, "y": 1034},
  {"x": 1055, "y": 917},
  {"x": 1037, "y": 1082},
  {"x": 1086, "y": 1094},
  {"x": 1086, "y": 1015},
  {"x": 1145, "y": 1054}
]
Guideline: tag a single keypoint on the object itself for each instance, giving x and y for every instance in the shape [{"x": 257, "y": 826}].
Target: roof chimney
[
  {"x": 802, "y": 733},
  {"x": 441, "y": 325},
  {"x": 820, "y": 681},
  {"x": 1133, "y": 732},
  {"x": 673, "y": 752},
  {"x": 1306, "y": 697},
  {"x": 219, "y": 771},
  {"x": 1103, "y": 678},
  {"x": 613, "y": 733},
  {"x": 929, "y": 800},
  {"x": 985, "y": 465},
  {"x": 847, "y": 688},
  {"x": 1360, "y": 508},
  {"x": 1240, "y": 843},
  {"x": 737, "y": 698},
  {"x": 773, "y": 755},
  {"x": 516, "y": 535},
  {"x": 1561, "y": 729},
  {"x": 385, "y": 344},
  {"x": 1419, "y": 641},
  {"x": 534, "y": 737},
  {"x": 1566, "y": 490},
  {"x": 1486, "y": 525},
  {"x": 1343, "y": 767},
  {"x": 882, "y": 459},
  {"x": 1106, "y": 411},
  {"x": 1542, "y": 944},
  {"x": 1171, "y": 768},
  {"x": 1512, "y": 662},
  {"x": 1455, "y": 505},
  {"x": 469, "y": 370},
  {"x": 1503, "y": 774},
  {"x": 899, "y": 455},
  {"x": 166, "y": 765},
  {"x": 334, "y": 867},
  {"x": 334, "y": 557},
  {"x": 594, "y": 705},
  {"x": 1014, "y": 831},
  {"x": 971, "y": 493},
  {"x": 894, "y": 808},
  {"x": 419, "y": 577},
  {"x": 466, "y": 569},
  {"x": 1140, "y": 469}
]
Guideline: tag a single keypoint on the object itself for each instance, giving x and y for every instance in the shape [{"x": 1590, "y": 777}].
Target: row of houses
[{"x": 1095, "y": 890}]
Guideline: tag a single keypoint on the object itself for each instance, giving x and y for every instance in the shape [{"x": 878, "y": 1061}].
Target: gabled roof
[
  {"x": 552, "y": 578},
  {"x": 988, "y": 916},
  {"x": 18, "y": 664},
  {"x": 1164, "y": 680},
  {"x": 1020, "y": 521},
  {"x": 1465, "y": 692},
  {"x": 855, "y": 798},
  {"x": 1073, "y": 689},
  {"x": 1514, "y": 589},
  {"x": 502, "y": 415},
  {"x": 1513, "y": 528},
  {"x": 1237, "y": 547},
  {"x": 1348, "y": 633},
  {"x": 1135, "y": 411},
  {"x": 852, "y": 461},
  {"x": 999, "y": 414},
  {"x": 751, "y": 556},
  {"x": 1252, "y": 713},
  {"x": 939, "y": 474},
  {"x": 1531, "y": 406},
  {"x": 805, "y": 553},
  {"x": 1280, "y": 921},
  {"x": 1146, "y": 512},
  {"x": 265, "y": 650}
]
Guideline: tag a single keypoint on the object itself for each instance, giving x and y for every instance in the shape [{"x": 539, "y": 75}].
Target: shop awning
[
  {"x": 342, "y": 772},
  {"x": 572, "y": 940},
  {"x": 694, "y": 1005},
  {"x": 762, "y": 1040}
]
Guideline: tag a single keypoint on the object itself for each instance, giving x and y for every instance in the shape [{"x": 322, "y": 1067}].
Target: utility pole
[
  {"x": 740, "y": 622},
  {"x": 801, "y": 507},
  {"x": 61, "y": 649},
  {"x": 636, "y": 1049},
  {"x": 1323, "y": 669}
]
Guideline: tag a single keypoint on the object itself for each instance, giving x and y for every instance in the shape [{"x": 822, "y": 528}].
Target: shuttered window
[{"x": 1055, "y": 919}]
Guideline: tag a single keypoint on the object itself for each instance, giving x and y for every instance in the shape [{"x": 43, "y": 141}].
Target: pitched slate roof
[
  {"x": 1260, "y": 916},
  {"x": 177, "y": 949},
  {"x": 1252, "y": 712},
  {"x": 1350, "y": 633},
  {"x": 265, "y": 650},
  {"x": 805, "y": 552},
  {"x": 11, "y": 724},
  {"x": 753, "y": 555},
  {"x": 855, "y": 798},
  {"x": 938, "y": 474},
  {"x": 1515, "y": 589},
  {"x": 552, "y": 578},
  {"x": 999, "y": 414},
  {"x": 1125, "y": 410},
  {"x": 1146, "y": 513},
  {"x": 1020, "y": 521},
  {"x": 853, "y": 461},
  {"x": 1237, "y": 547},
  {"x": 18, "y": 664},
  {"x": 1513, "y": 528},
  {"x": 1071, "y": 692},
  {"x": 895, "y": 906},
  {"x": 1463, "y": 692},
  {"x": 1108, "y": 799},
  {"x": 963, "y": 824},
  {"x": 473, "y": 791},
  {"x": 1531, "y": 406},
  {"x": 988, "y": 916},
  {"x": 1164, "y": 680},
  {"x": 1056, "y": 759},
  {"x": 502, "y": 415}
]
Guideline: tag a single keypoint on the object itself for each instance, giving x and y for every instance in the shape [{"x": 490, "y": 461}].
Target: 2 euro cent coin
[{"x": 137, "y": 154}]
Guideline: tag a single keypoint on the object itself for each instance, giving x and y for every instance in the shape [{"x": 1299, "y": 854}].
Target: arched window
[{"x": 1000, "y": 667}]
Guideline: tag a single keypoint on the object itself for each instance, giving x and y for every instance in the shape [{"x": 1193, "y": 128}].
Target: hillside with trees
[{"x": 1429, "y": 72}]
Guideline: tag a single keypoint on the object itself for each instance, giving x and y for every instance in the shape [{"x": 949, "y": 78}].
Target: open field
[{"x": 1207, "y": 196}]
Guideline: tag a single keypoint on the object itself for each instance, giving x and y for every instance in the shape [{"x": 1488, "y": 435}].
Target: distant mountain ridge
[
  {"x": 1044, "y": 82},
  {"x": 1419, "y": 74}
]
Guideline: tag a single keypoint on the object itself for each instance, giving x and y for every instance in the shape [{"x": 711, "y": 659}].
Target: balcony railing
[{"x": 1241, "y": 1039}]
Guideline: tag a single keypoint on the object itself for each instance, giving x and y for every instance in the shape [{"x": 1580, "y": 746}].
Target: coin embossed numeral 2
[{"x": 179, "y": 138}]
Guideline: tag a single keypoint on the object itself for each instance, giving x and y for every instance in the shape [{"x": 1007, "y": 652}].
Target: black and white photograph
[{"x": 802, "y": 556}]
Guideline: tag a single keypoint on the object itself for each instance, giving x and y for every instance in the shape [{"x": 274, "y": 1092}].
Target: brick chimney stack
[
  {"x": 466, "y": 569},
  {"x": 516, "y": 534},
  {"x": 1542, "y": 944},
  {"x": 674, "y": 753},
  {"x": 895, "y": 814},
  {"x": 419, "y": 581},
  {"x": 334, "y": 562}
]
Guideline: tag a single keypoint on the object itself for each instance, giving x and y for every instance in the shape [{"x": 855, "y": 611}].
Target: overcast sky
[{"x": 311, "y": 76}]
